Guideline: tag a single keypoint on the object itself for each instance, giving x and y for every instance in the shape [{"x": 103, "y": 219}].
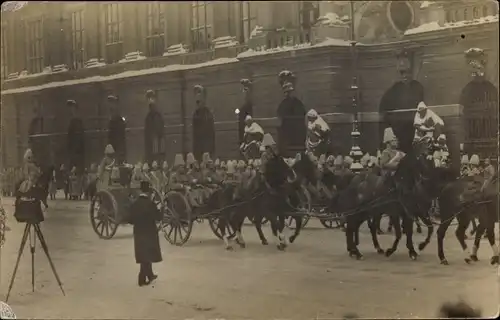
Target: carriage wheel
[
  {"x": 177, "y": 223},
  {"x": 103, "y": 214},
  {"x": 304, "y": 205},
  {"x": 216, "y": 228}
]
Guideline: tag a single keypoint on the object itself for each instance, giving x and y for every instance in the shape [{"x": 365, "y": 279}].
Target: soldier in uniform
[
  {"x": 246, "y": 109},
  {"x": 390, "y": 156},
  {"x": 203, "y": 126},
  {"x": 464, "y": 166},
  {"x": 116, "y": 133},
  {"x": 318, "y": 134},
  {"x": 252, "y": 137},
  {"x": 76, "y": 139},
  {"x": 30, "y": 172},
  {"x": 291, "y": 114},
  {"x": 474, "y": 165},
  {"x": 427, "y": 123},
  {"x": 106, "y": 167},
  {"x": 154, "y": 140},
  {"x": 178, "y": 178}
]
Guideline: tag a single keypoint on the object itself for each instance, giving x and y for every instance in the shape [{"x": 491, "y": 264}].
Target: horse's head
[{"x": 305, "y": 169}]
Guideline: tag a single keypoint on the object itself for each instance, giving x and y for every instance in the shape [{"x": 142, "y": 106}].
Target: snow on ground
[
  {"x": 314, "y": 278},
  {"x": 434, "y": 26}
]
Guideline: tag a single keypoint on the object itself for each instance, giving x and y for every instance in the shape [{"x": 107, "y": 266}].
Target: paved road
[{"x": 314, "y": 278}]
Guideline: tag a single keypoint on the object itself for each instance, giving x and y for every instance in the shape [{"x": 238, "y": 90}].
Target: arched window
[
  {"x": 485, "y": 11},
  {"x": 475, "y": 13},
  {"x": 457, "y": 16},
  {"x": 448, "y": 16},
  {"x": 466, "y": 13}
]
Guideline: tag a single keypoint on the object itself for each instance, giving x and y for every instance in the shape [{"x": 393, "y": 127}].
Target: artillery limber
[{"x": 110, "y": 206}]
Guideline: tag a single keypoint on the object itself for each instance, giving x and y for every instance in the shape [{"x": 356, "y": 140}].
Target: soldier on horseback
[
  {"x": 390, "y": 156},
  {"x": 31, "y": 172},
  {"x": 318, "y": 134},
  {"x": 427, "y": 122},
  {"x": 106, "y": 168},
  {"x": 252, "y": 138}
]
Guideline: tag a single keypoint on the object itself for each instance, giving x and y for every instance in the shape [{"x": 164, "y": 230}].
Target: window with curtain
[
  {"x": 78, "y": 56},
  {"x": 113, "y": 24},
  {"x": 248, "y": 17},
  {"x": 4, "y": 57},
  {"x": 34, "y": 46},
  {"x": 155, "y": 33},
  {"x": 201, "y": 24}
]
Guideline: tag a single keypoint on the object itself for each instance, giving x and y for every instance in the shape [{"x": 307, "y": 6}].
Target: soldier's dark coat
[
  {"x": 76, "y": 144},
  {"x": 154, "y": 148},
  {"x": 203, "y": 133},
  {"x": 292, "y": 132},
  {"x": 116, "y": 137},
  {"x": 246, "y": 110},
  {"x": 143, "y": 216}
]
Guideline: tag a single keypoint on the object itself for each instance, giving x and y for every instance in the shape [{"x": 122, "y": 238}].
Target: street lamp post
[{"x": 355, "y": 152}]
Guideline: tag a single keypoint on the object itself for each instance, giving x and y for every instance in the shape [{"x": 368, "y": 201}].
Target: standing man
[
  {"x": 203, "y": 126},
  {"x": 76, "y": 138},
  {"x": 292, "y": 129},
  {"x": 154, "y": 140},
  {"x": 116, "y": 130},
  {"x": 246, "y": 109}
]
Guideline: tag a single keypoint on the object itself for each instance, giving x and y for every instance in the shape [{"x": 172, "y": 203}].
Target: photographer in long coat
[{"x": 143, "y": 216}]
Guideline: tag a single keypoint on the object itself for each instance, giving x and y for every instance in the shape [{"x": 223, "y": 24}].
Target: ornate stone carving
[{"x": 476, "y": 59}]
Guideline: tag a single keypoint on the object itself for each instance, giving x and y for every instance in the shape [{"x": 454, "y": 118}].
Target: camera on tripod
[{"x": 28, "y": 209}]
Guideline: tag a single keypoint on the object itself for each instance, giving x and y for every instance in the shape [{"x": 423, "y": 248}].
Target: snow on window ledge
[
  {"x": 257, "y": 31},
  {"x": 132, "y": 56},
  {"x": 176, "y": 49},
  {"x": 225, "y": 42},
  {"x": 332, "y": 19},
  {"x": 94, "y": 63},
  {"x": 434, "y": 26}
]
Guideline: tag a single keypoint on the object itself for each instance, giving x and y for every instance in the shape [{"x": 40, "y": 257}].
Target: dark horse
[{"x": 368, "y": 195}]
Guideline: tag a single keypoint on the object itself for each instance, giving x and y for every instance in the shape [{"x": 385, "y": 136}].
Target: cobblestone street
[{"x": 313, "y": 278}]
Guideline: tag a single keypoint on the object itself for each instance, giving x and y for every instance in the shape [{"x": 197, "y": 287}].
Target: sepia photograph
[{"x": 218, "y": 160}]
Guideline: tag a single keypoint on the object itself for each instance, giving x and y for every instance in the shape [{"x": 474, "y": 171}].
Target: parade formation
[{"x": 284, "y": 182}]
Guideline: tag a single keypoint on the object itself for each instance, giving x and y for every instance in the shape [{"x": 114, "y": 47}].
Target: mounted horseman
[
  {"x": 154, "y": 139},
  {"x": 76, "y": 138},
  {"x": 203, "y": 126},
  {"x": 116, "y": 130},
  {"x": 291, "y": 113},
  {"x": 246, "y": 109},
  {"x": 427, "y": 123},
  {"x": 252, "y": 139},
  {"x": 278, "y": 180},
  {"x": 318, "y": 134}
]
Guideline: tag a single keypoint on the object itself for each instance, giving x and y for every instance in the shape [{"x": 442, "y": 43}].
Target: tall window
[
  {"x": 201, "y": 24},
  {"x": 77, "y": 39},
  {"x": 475, "y": 13},
  {"x": 249, "y": 18},
  {"x": 466, "y": 14},
  {"x": 155, "y": 29},
  {"x": 4, "y": 58},
  {"x": 309, "y": 13},
  {"x": 113, "y": 22},
  {"x": 485, "y": 11},
  {"x": 34, "y": 41}
]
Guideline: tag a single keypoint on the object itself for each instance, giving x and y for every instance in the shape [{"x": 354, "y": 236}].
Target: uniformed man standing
[
  {"x": 291, "y": 114},
  {"x": 76, "y": 138},
  {"x": 154, "y": 140},
  {"x": 116, "y": 133}
]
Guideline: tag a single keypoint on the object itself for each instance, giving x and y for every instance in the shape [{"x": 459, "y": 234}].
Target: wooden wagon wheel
[
  {"x": 158, "y": 201},
  {"x": 103, "y": 214},
  {"x": 177, "y": 222},
  {"x": 215, "y": 222},
  {"x": 305, "y": 205}
]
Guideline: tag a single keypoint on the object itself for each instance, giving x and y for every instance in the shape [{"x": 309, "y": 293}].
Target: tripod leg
[
  {"x": 46, "y": 250},
  {"x": 32, "y": 250},
  {"x": 19, "y": 254}
]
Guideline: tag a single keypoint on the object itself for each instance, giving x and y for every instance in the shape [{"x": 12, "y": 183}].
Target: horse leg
[
  {"x": 258, "y": 227},
  {"x": 480, "y": 230},
  {"x": 298, "y": 227},
  {"x": 430, "y": 230},
  {"x": 474, "y": 227},
  {"x": 446, "y": 216},
  {"x": 237, "y": 222},
  {"x": 374, "y": 228},
  {"x": 463, "y": 223},
  {"x": 349, "y": 233},
  {"x": 408, "y": 222},
  {"x": 394, "y": 218},
  {"x": 490, "y": 233},
  {"x": 378, "y": 221},
  {"x": 222, "y": 225},
  {"x": 281, "y": 230},
  {"x": 419, "y": 227}
]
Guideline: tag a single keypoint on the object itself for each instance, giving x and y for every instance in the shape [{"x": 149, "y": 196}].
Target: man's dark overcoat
[
  {"x": 76, "y": 144},
  {"x": 143, "y": 216}
]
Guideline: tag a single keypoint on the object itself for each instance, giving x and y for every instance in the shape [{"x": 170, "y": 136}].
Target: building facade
[{"x": 85, "y": 51}]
